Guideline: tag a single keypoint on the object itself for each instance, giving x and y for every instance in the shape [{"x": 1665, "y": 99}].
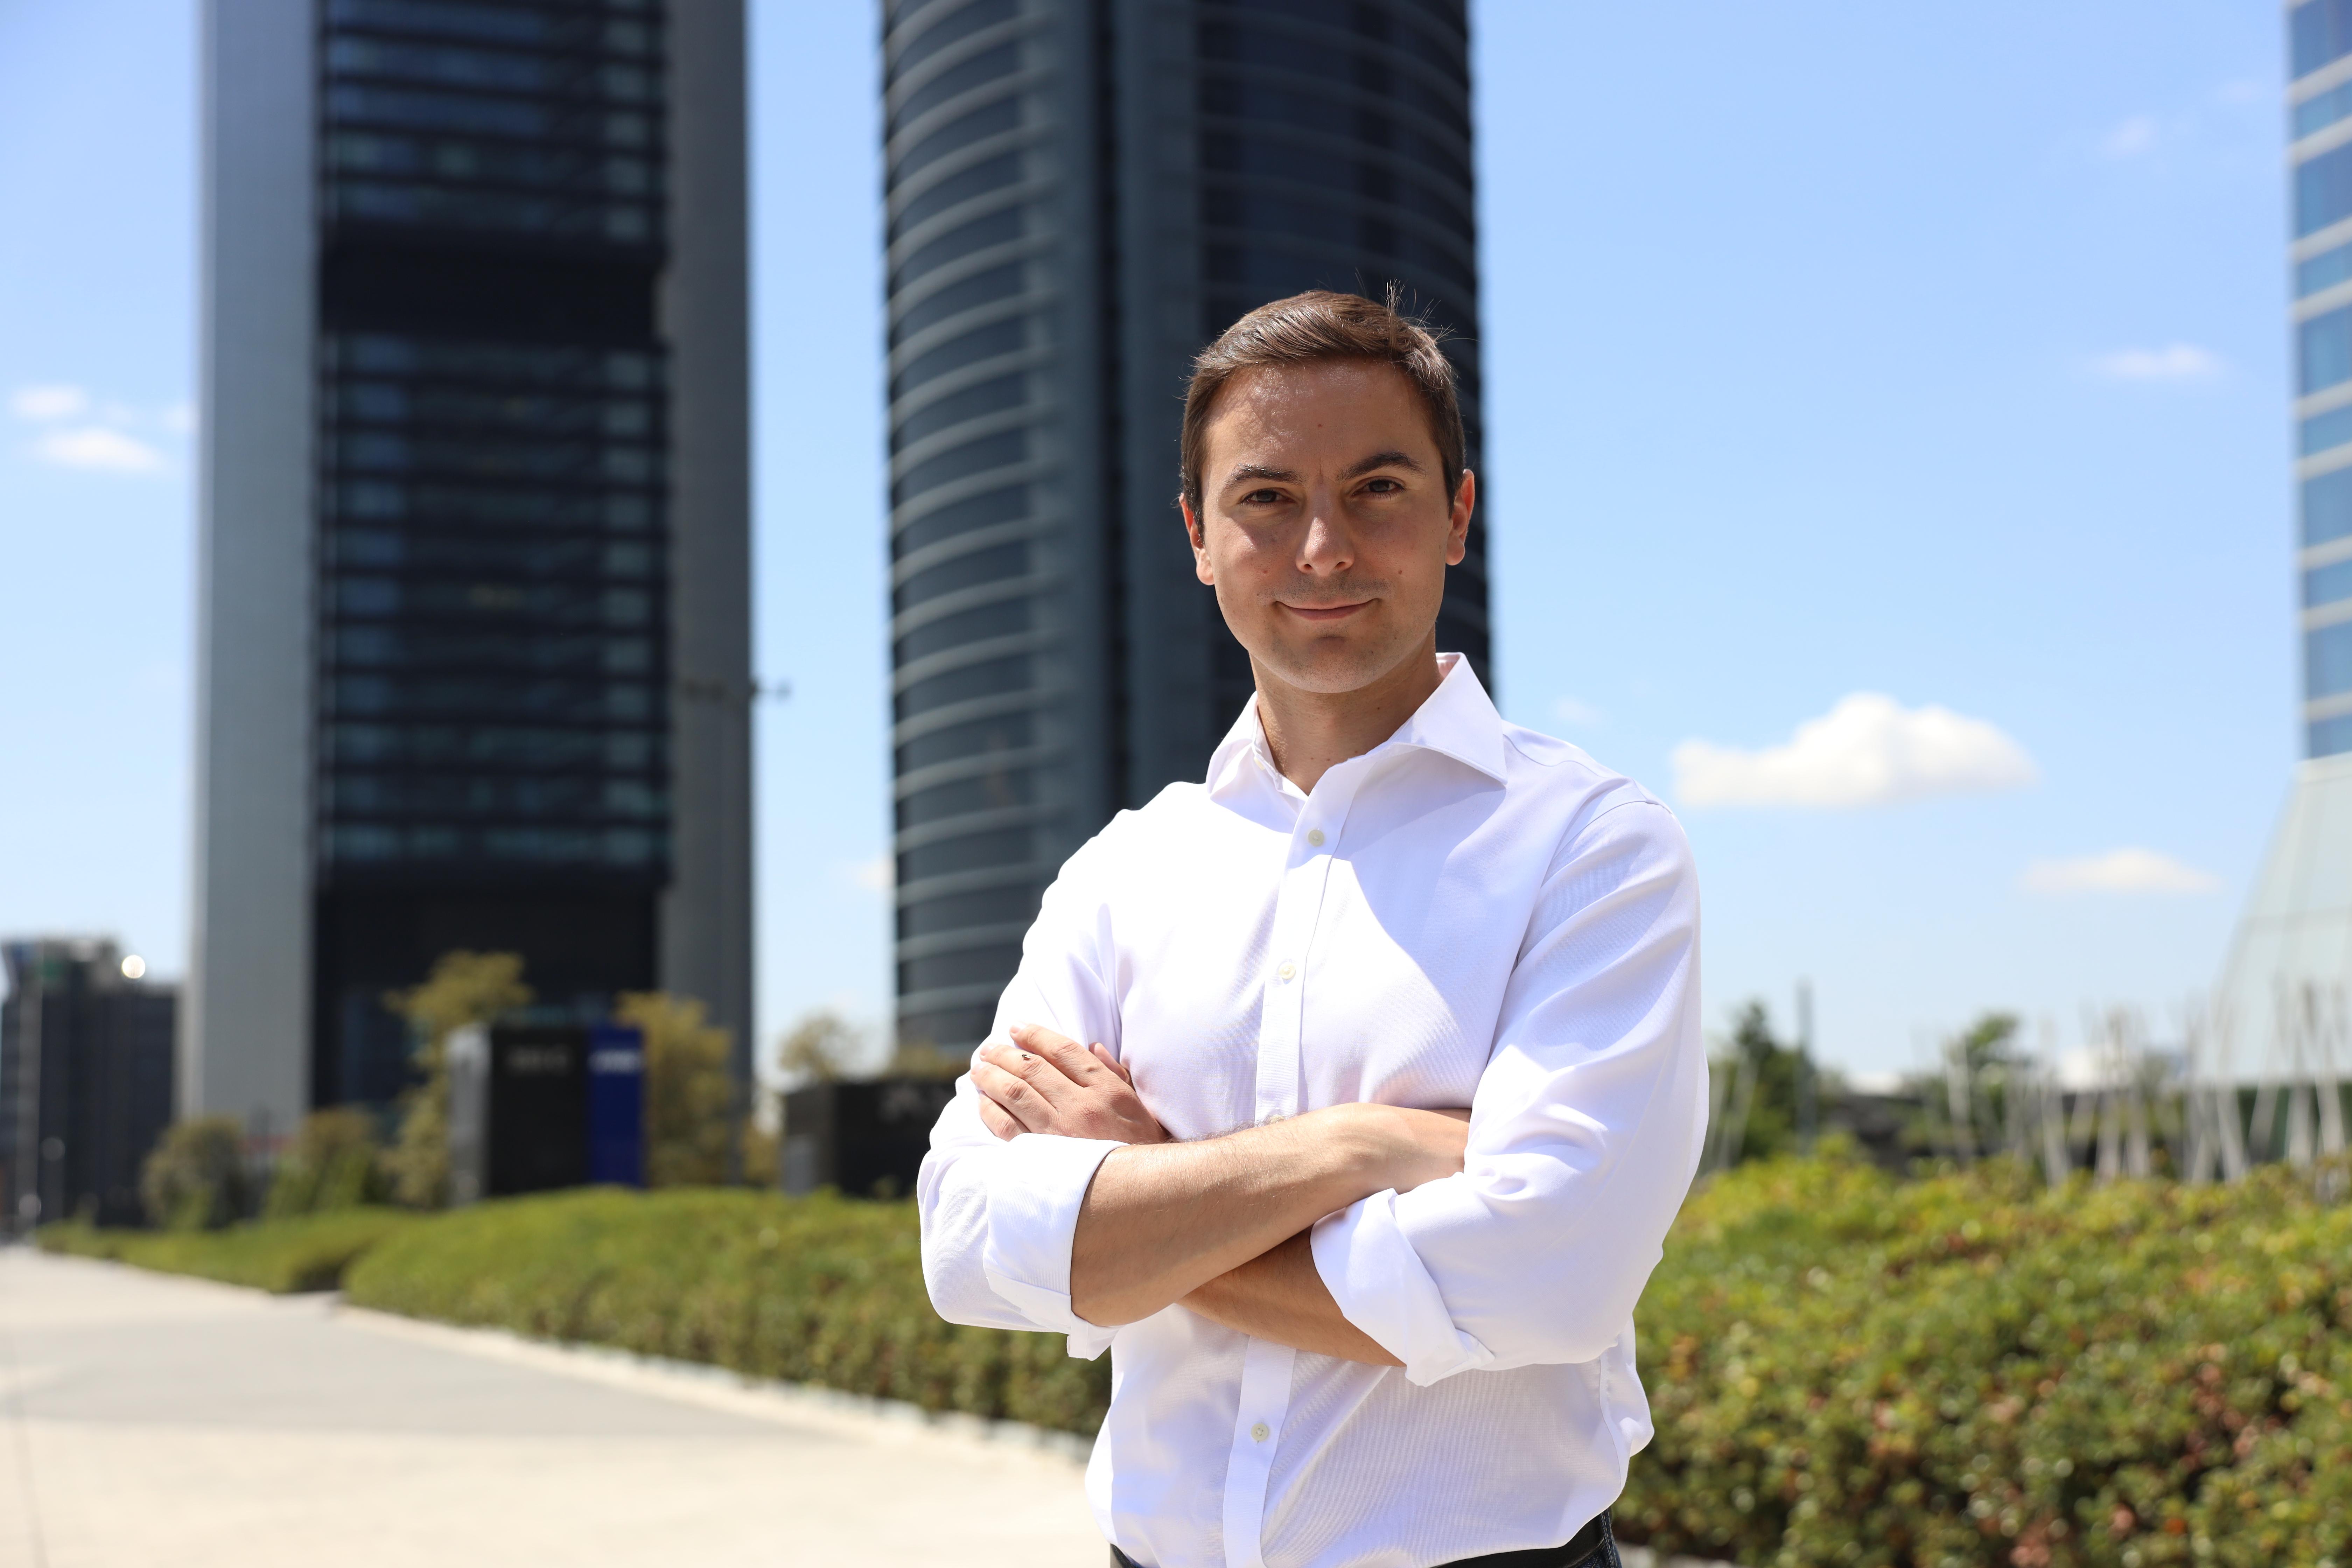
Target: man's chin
[{"x": 1328, "y": 672}]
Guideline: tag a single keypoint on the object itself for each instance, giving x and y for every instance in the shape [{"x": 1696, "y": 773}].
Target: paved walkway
[{"x": 148, "y": 1421}]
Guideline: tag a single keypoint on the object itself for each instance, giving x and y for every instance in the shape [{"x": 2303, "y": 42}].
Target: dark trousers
[{"x": 1594, "y": 1546}]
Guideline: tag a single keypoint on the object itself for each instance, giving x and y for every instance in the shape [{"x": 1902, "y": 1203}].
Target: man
[{"x": 1345, "y": 1096}]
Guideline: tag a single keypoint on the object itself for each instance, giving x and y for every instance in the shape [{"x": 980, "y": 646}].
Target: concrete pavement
[{"x": 150, "y": 1421}]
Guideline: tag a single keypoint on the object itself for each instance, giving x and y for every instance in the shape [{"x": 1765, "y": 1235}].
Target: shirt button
[
  {"x": 1287, "y": 970},
  {"x": 1261, "y": 1432},
  {"x": 1315, "y": 836}
]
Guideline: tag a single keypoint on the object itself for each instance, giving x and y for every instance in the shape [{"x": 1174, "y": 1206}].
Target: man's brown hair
[{"x": 1316, "y": 327}]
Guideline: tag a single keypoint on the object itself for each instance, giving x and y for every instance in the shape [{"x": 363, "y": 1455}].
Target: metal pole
[{"x": 1807, "y": 1091}]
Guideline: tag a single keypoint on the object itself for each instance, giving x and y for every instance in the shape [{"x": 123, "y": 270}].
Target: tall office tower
[
  {"x": 2283, "y": 988},
  {"x": 475, "y": 649},
  {"x": 85, "y": 1081},
  {"x": 1081, "y": 195}
]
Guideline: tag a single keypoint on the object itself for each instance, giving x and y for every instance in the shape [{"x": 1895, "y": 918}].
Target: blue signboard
[{"x": 616, "y": 1106}]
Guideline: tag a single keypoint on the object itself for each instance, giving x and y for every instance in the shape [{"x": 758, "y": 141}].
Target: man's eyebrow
[
  {"x": 1259, "y": 471},
  {"x": 1381, "y": 460}
]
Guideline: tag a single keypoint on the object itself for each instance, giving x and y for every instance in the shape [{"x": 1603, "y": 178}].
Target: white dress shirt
[{"x": 1468, "y": 914}]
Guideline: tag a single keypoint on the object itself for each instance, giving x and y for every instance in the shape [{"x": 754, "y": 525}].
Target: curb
[{"x": 720, "y": 1388}]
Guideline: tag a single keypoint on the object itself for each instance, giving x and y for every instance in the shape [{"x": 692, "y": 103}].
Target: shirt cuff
[
  {"x": 1383, "y": 1287},
  {"x": 1035, "y": 1187}
]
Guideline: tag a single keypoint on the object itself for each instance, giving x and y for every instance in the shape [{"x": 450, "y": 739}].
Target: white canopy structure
[{"x": 2280, "y": 1009}]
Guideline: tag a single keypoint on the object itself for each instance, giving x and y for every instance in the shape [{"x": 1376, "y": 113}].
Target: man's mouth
[{"x": 1326, "y": 612}]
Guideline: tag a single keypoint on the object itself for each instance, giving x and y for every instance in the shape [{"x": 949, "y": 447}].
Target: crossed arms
[
  {"x": 1221, "y": 1225},
  {"x": 1053, "y": 1200}
]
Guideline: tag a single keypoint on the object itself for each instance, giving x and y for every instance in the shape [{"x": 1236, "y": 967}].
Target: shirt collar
[{"x": 1457, "y": 720}]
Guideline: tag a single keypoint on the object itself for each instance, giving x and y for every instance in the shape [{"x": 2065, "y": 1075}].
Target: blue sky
[{"x": 1833, "y": 350}]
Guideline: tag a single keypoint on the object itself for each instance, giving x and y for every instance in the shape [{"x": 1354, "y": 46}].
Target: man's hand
[{"x": 1046, "y": 1083}]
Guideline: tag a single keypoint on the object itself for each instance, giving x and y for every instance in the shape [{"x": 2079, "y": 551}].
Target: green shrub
[
  {"x": 336, "y": 1163},
  {"x": 1972, "y": 1370},
  {"x": 308, "y": 1253},
  {"x": 819, "y": 1290},
  {"x": 196, "y": 1178}
]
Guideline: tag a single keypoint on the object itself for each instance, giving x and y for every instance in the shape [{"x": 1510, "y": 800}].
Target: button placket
[
  {"x": 1257, "y": 1426},
  {"x": 1265, "y": 1395},
  {"x": 1298, "y": 908}
]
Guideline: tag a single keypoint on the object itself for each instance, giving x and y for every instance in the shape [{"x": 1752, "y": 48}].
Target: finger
[
  {"x": 1016, "y": 1096},
  {"x": 1071, "y": 1058},
  {"x": 1040, "y": 1071},
  {"x": 999, "y": 1120},
  {"x": 1102, "y": 1054}
]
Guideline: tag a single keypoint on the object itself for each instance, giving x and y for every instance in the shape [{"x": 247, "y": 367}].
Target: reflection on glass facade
[
  {"x": 2320, "y": 45},
  {"x": 1080, "y": 195},
  {"x": 491, "y": 700},
  {"x": 2324, "y": 270}
]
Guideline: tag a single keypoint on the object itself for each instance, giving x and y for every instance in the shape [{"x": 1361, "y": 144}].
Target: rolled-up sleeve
[
  {"x": 1585, "y": 1130},
  {"x": 998, "y": 1216}
]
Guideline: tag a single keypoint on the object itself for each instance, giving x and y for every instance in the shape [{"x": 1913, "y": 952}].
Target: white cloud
[
  {"x": 2117, "y": 871},
  {"x": 1869, "y": 749},
  {"x": 876, "y": 876},
  {"x": 2130, "y": 139},
  {"x": 53, "y": 402},
  {"x": 1576, "y": 712},
  {"x": 95, "y": 447},
  {"x": 82, "y": 433},
  {"x": 2244, "y": 89},
  {"x": 2174, "y": 362}
]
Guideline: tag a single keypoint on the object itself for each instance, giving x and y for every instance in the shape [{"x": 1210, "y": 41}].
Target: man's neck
[{"x": 1311, "y": 733}]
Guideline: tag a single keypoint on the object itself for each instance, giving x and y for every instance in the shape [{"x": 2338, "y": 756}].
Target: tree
[
  {"x": 819, "y": 1048},
  {"x": 825, "y": 1047},
  {"x": 1967, "y": 1106},
  {"x": 917, "y": 1059},
  {"x": 689, "y": 1093},
  {"x": 336, "y": 1163},
  {"x": 463, "y": 988},
  {"x": 1756, "y": 1106},
  {"x": 196, "y": 1178}
]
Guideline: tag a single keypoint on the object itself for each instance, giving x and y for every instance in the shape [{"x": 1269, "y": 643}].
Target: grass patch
[{"x": 306, "y": 1253}]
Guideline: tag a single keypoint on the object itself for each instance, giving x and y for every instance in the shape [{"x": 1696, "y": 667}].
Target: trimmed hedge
[
  {"x": 1974, "y": 1370},
  {"x": 306, "y": 1253},
  {"x": 819, "y": 1290},
  {"x": 1845, "y": 1369}
]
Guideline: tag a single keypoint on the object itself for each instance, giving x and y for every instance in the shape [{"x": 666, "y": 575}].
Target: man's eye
[
  {"x": 1261, "y": 498},
  {"x": 1384, "y": 487}
]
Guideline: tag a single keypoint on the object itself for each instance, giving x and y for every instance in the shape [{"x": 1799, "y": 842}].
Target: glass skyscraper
[
  {"x": 475, "y": 599},
  {"x": 2283, "y": 986},
  {"x": 2320, "y": 148},
  {"x": 1080, "y": 195}
]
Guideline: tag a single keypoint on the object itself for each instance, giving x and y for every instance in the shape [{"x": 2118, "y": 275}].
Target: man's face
[{"x": 1324, "y": 523}]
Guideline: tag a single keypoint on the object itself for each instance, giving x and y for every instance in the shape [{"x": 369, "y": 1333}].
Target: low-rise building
[{"x": 86, "y": 1079}]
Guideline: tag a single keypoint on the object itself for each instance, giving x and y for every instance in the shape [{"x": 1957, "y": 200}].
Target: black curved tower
[{"x": 1080, "y": 195}]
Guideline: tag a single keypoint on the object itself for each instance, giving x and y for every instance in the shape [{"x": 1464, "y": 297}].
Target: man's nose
[{"x": 1326, "y": 546}]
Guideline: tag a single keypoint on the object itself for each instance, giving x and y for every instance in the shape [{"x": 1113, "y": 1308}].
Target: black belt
[{"x": 1594, "y": 1546}]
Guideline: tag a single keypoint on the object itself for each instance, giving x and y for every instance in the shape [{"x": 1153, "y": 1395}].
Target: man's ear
[
  {"x": 1199, "y": 540},
  {"x": 1457, "y": 528}
]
